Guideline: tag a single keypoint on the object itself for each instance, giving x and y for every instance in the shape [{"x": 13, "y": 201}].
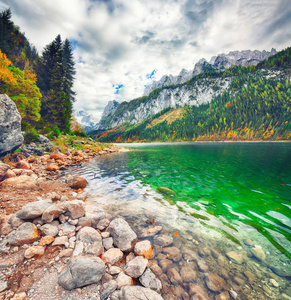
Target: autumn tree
[{"x": 21, "y": 87}]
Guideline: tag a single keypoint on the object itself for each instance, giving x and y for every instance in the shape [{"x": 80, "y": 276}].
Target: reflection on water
[{"x": 224, "y": 195}]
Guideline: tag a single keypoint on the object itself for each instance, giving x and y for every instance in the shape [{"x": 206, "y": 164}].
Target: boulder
[
  {"x": 108, "y": 243},
  {"x": 136, "y": 267},
  {"x": 25, "y": 234},
  {"x": 81, "y": 271},
  {"x": 10, "y": 126},
  {"x": 149, "y": 280},
  {"x": 123, "y": 236},
  {"x": 77, "y": 182},
  {"x": 3, "y": 169},
  {"x": 138, "y": 293},
  {"x": 10, "y": 174},
  {"x": 33, "y": 210}
]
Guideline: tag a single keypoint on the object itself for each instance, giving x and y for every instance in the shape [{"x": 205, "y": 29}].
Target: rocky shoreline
[{"x": 56, "y": 244}]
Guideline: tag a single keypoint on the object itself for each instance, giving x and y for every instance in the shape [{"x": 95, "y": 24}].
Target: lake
[{"x": 212, "y": 198}]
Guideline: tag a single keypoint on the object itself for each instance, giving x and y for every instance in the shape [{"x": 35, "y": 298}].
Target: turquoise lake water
[{"x": 245, "y": 182}]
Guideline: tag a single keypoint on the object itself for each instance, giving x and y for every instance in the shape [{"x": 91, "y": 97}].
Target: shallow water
[{"x": 225, "y": 193}]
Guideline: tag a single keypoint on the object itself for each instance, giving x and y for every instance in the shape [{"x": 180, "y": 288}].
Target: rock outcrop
[{"x": 10, "y": 126}]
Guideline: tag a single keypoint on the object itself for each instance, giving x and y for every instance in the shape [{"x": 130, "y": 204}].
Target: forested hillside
[
  {"x": 256, "y": 106},
  {"x": 40, "y": 85}
]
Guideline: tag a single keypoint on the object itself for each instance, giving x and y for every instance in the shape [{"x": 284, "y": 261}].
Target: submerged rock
[
  {"x": 258, "y": 253},
  {"x": 214, "y": 282},
  {"x": 236, "y": 257},
  {"x": 166, "y": 191}
]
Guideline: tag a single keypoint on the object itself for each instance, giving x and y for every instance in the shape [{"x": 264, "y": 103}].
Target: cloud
[{"x": 120, "y": 43}]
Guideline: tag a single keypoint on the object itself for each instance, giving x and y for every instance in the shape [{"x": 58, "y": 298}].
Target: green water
[{"x": 234, "y": 182}]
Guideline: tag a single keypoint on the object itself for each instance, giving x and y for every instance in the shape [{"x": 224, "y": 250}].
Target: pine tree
[
  {"x": 56, "y": 71},
  {"x": 6, "y": 32}
]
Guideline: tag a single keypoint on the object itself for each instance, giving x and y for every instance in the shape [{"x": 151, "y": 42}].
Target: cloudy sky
[{"x": 122, "y": 45}]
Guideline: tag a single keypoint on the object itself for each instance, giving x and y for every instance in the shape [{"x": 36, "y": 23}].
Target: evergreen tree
[
  {"x": 56, "y": 71},
  {"x": 6, "y": 32}
]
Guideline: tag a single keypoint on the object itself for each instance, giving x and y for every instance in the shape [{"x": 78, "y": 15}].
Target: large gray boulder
[
  {"x": 82, "y": 271},
  {"x": 138, "y": 293},
  {"x": 10, "y": 126},
  {"x": 124, "y": 237},
  {"x": 33, "y": 210}
]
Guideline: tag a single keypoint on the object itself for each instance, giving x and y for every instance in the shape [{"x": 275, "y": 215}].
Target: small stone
[
  {"x": 222, "y": 296},
  {"x": 149, "y": 280},
  {"x": 114, "y": 270},
  {"x": 233, "y": 294},
  {"x": 173, "y": 253},
  {"x": 73, "y": 222},
  {"x": 66, "y": 253},
  {"x": 198, "y": 292},
  {"x": 67, "y": 228},
  {"x": 151, "y": 231},
  {"x": 136, "y": 267},
  {"x": 3, "y": 285},
  {"x": 79, "y": 247},
  {"x": 77, "y": 182},
  {"x": 156, "y": 269},
  {"x": 165, "y": 264},
  {"x": 249, "y": 242},
  {"x": 23, "y": 164},
  {"x": 112, "y": 256},
  {"x": 202, "y": 265},
  {"x": 34, "y": 251},
  {"x": 123, "y": 280},
  {"x": 235, "y": 257},
  {"x": 129, "y": 257},
  {"x": 103, "y": 224},
  {"x": 144, "y": 248},
  {"x": 60, "y": 241},
  {"x": 107, "y": 289},
  {"x": 251, "y": 277},
  {"x": 214, "y": 282},
  {"x": 258, "y": 253},
  {"x": 188, "y": 274},
  {"x": 274, "y": 283},
  {"x": 174, "y": 276},
  {"x": 163, "y": 240},
  {"x": 19, "y": 296},
  {"x": 267, "y": 290},
  {"x": 105, "y": 235},
  {"x": 46, "y": 240},
  {"x": 108, "y": 243}
]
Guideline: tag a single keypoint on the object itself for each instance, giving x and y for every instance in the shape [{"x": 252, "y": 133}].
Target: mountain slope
[{"x": 238, "y": 103}]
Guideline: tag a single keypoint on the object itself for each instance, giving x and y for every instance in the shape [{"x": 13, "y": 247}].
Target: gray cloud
[{"x": 119, "y": 42}]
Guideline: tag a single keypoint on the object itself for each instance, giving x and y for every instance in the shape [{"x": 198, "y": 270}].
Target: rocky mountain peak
[{"x": 219, "y": 63}]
